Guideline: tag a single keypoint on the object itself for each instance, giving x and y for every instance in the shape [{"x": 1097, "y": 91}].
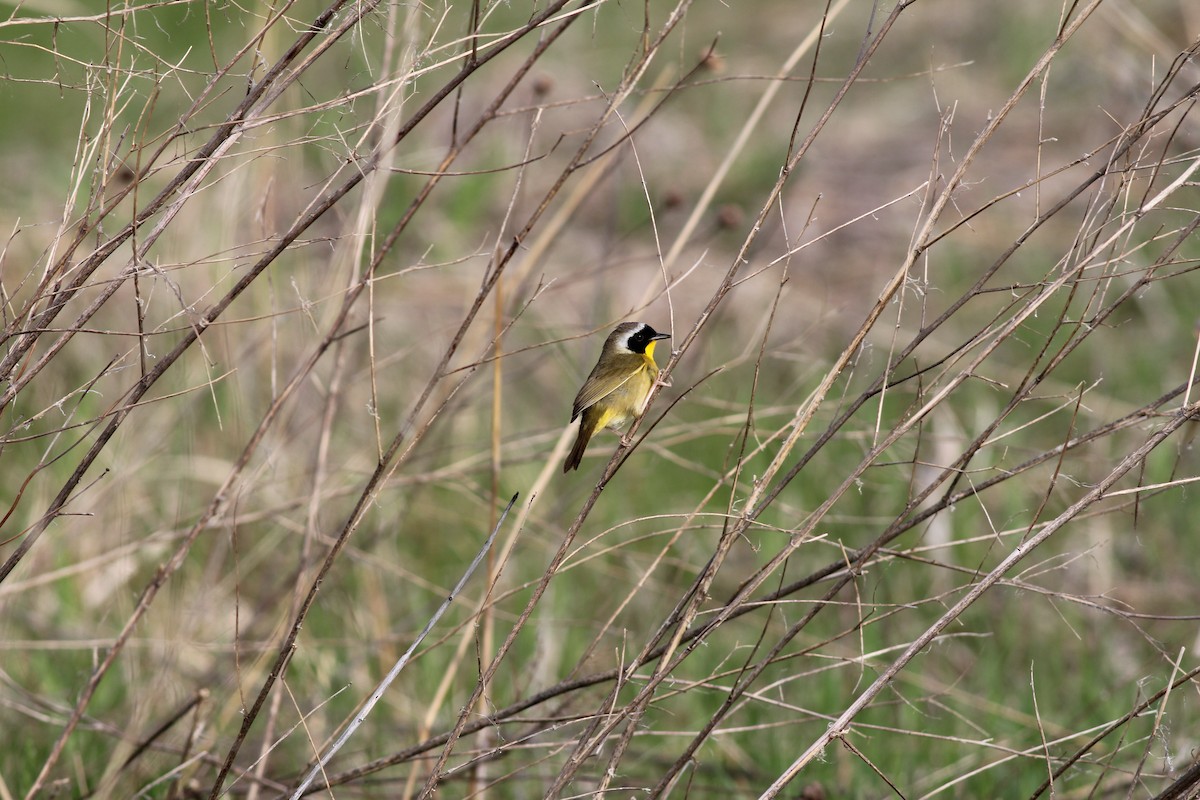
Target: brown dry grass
[{"x": 302, "y": 301}]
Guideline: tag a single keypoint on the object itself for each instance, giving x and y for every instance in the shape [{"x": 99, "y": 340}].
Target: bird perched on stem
[{"x": 618, "y": 387}]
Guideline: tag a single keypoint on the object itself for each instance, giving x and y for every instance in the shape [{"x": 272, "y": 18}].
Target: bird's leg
[
  {"x": 660, "y": 381},
  {"x": 626, "y": 440}
]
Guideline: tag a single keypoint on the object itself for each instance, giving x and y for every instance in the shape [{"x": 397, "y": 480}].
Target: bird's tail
[{"x": 587, "y": 426}]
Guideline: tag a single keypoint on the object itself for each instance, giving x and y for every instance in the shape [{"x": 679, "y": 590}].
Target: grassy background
[{"x": 200, "y": 539}]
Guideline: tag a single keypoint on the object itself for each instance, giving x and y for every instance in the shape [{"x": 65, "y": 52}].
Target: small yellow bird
[{"x": 617, "y": 389}]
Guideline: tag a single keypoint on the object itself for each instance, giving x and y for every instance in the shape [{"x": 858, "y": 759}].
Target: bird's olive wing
[{"x": 599, "y": 385}]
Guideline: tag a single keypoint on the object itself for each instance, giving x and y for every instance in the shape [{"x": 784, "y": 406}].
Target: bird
[{"x": 618, "y": 387}]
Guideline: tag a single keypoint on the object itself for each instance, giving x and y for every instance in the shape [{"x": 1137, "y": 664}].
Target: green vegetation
[{"x": 253, "y": 441}]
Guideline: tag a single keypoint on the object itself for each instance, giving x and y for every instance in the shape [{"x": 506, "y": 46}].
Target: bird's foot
[
  {"x": 663, "y": 382},
  {"x": 626, "y": 440}
]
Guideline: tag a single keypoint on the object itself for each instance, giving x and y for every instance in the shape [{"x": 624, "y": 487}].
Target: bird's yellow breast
[{"x": 628, "y": 400}]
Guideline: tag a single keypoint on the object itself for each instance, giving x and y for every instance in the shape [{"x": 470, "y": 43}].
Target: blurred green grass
[{"x": 163, "y": 468}]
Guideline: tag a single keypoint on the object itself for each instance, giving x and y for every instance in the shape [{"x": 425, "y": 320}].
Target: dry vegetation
[{"x": 295, "y": 298}]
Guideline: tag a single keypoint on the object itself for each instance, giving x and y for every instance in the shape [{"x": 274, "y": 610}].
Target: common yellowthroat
[{"x": 617, "y": 389}]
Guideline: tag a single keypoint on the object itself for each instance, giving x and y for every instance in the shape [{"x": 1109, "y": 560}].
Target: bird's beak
[{"x": 658, "y": 336}]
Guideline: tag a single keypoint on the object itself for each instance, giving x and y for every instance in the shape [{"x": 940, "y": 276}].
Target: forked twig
[{"x": 841, "y": 725}]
